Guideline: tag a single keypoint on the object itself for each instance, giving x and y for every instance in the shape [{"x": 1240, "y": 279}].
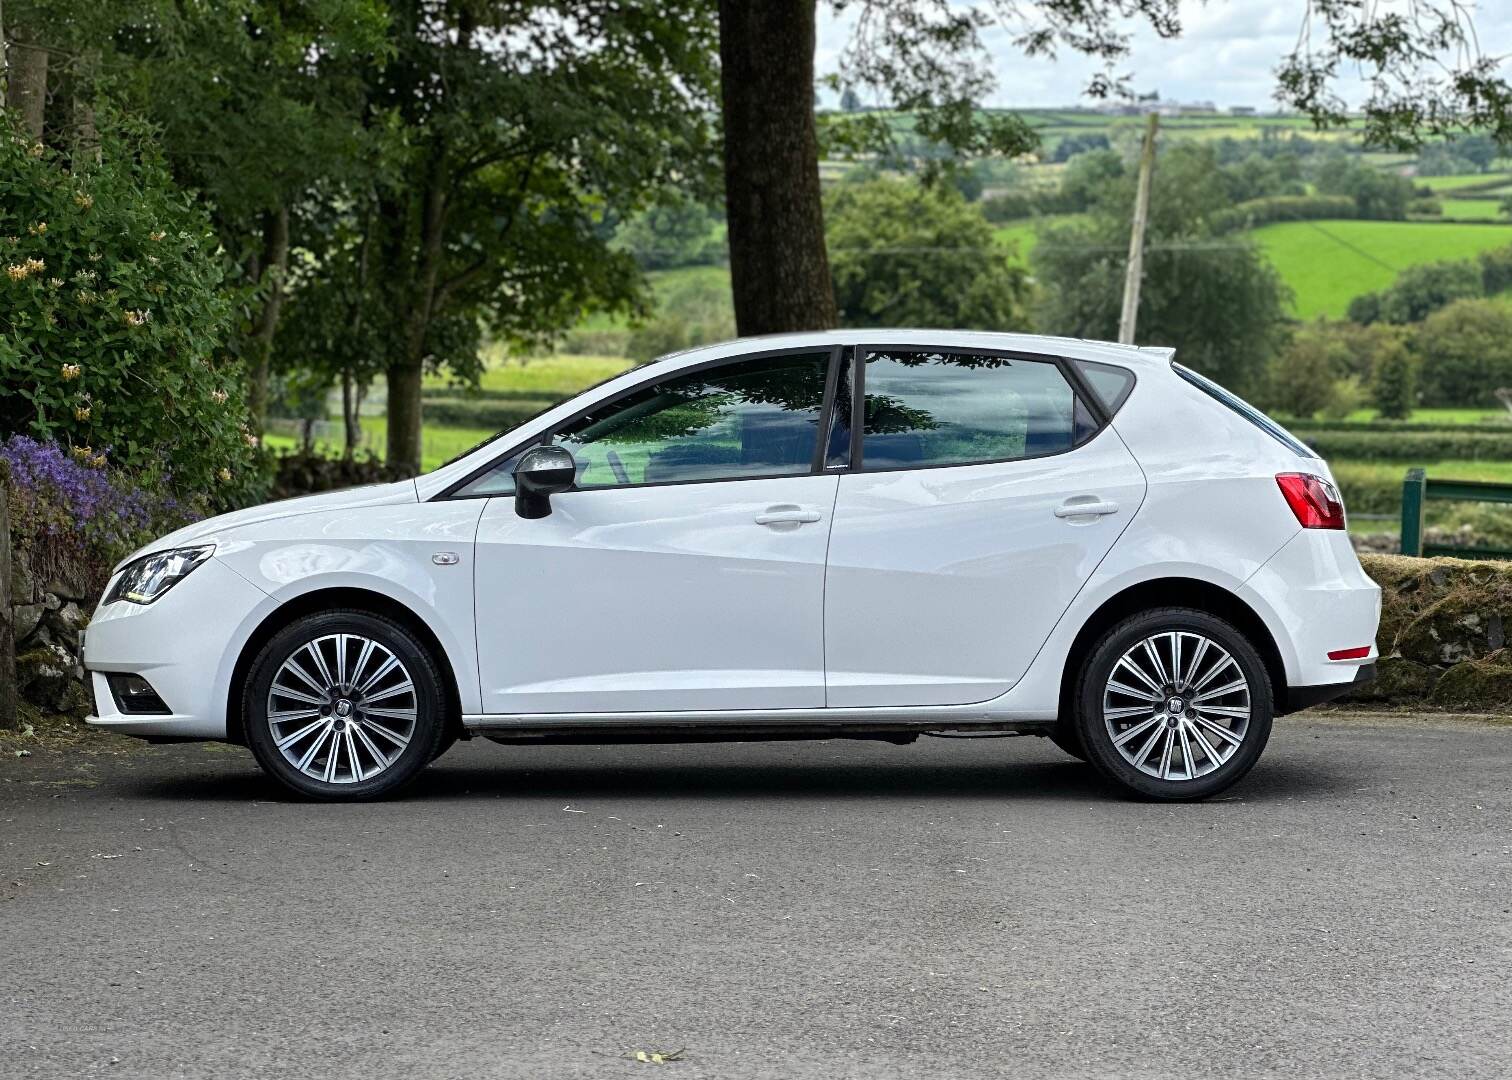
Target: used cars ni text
[{"x": 865, "y": 534}]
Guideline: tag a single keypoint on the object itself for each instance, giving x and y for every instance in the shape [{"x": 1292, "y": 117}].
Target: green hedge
[
  {"x": 1264, "y": 211},
  {"x": 494, "y": 413},
  {"x": 1310, "y": 427},
  {"x": 1410, "y": 446}
]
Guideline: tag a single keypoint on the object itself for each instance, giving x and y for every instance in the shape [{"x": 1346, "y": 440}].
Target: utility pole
[{"x": 1137, "y": 234}]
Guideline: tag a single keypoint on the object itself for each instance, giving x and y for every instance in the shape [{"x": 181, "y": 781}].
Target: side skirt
[{"x": 899, "y": 726}]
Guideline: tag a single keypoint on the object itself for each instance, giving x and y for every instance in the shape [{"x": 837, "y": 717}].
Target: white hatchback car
[{"x": 870, "y": 534}]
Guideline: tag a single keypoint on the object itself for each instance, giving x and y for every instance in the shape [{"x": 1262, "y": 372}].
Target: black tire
[
  {"x": 426, "y": 741},
  {"x": 1098, "y": 741}
]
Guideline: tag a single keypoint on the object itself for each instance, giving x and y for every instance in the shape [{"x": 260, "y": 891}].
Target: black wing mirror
[{"x": 542, "y": 472}]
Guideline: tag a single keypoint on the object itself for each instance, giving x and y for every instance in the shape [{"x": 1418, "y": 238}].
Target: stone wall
[
  {"x": 49, "y": 620},
  {"x": 1444, "y": 630}
]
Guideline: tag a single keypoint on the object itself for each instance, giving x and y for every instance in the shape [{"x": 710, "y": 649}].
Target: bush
[
  {"x": 112, "y": 315},
  {"x": 1393, "y": 384},
  {"x": 1303, "y": 379},
  {"x": 73, "y": 519},
  {"x": 1255, "y": 212},
  {"x": 1466, "y": 351},
  {"x": 1421, "y": 290},
  {"x": 310, "y": 474}
]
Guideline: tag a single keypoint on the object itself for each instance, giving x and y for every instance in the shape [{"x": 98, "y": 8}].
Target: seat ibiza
[{"x": 873, "y": 534}]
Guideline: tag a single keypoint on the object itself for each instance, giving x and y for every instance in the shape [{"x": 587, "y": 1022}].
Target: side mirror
[{"x": 539, "y": 474}]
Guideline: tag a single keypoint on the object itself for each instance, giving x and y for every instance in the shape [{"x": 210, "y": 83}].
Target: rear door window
[{"x": 936, "y": 408}]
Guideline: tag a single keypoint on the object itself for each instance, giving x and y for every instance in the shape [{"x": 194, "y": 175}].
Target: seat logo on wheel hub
[{"x": 343, "y": 708}]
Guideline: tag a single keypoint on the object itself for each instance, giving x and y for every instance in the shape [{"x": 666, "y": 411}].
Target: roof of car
[{"x": 1079, "y": 348}]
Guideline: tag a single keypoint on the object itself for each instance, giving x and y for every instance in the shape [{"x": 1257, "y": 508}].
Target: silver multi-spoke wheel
[
  {"x": 1177, "y": 705},
  {"x": 342, "y": 708}
]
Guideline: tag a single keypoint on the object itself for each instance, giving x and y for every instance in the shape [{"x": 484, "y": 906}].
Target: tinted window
[
  {"x": 748, "y": 418},
  {"x": 1244, "y": 409},
  {"x": 926, "y": 408},
  {"x": 1111, "y": 384}
]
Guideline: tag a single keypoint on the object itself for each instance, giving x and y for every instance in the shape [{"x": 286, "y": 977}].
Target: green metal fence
[{"x": 1417, "y": 489}]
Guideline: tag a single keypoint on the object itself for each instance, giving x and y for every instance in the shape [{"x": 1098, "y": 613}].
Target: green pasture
[{"x": 1329, "y": 263}]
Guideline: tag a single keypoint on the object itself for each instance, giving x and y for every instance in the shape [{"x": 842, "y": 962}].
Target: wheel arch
[
  {"x": 1174, "y": 592},
  {"x": 319, "y": 600}
]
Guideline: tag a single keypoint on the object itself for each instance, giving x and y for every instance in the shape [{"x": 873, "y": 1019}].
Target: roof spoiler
[{"x": 1165, "y": 352}]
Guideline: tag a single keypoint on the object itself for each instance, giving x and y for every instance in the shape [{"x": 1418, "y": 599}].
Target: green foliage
[
  {"x": 1393, "y": 386},
  {"x": 112, "y": 316},
  {"x": 1376, "y": 194},
  {"x": 1418, "y": 292},
  {"x": 1302, "y": 380},
  {"x": 694, "y": 311},
  {"x": 1466, "y": 350},
  {"x": 1253, "y": 213},
  {"x": 905, "y": 255},
  {"x": 679, "y": 232},
  {"x": 1220, "y": 303}
]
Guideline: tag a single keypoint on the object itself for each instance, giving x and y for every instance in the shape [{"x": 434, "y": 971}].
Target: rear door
[{"x": 983, "y": 491}]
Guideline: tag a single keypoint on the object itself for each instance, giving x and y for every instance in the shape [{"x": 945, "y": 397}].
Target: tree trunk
[
  {"x": 351, "y": 414},
  {"x": 7, "y": 614},
  {"x": 404, "y": 380},
  {"x": 26, "y": 81},
  {"x": 779, "y": 269},
  {"x": 404, "y": 377},
  {"x": 274, "y": 265}
]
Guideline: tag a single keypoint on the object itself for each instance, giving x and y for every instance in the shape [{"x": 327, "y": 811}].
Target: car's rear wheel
[
  {"x": 1174, "y": 704},
  {"x": 344, "y": 705}
]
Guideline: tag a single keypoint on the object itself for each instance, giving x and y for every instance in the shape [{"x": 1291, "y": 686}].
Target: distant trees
[
  {"x": 902, "y": 254},
  {"x": 1421, "y": 290},
  {"x": 1466, "y": 351},
  {"x": 1216, "y": 299},
  {"x": 1378, "y": 195},
  {"x": 1425, "y": 75}
]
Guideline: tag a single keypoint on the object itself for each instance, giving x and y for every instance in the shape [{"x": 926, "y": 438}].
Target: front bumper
[{"x": 185, "y": 644}]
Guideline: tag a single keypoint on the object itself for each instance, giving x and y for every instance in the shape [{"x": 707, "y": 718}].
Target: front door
[
  {"x": 985, "y": 496},
  {"x": 685, "y": 570}
]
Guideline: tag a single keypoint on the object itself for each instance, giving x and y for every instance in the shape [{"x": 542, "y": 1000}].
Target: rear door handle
[
  {"x": 1085, "y": 509},
  {"x": 787, "y": 514}
]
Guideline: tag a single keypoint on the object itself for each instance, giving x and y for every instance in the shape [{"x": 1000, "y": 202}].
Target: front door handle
[
  {"x": 1072, "y": 509},
  {"x": 787, "y": 514}
]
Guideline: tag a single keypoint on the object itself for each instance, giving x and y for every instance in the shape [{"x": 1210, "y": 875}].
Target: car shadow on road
[{"x": 1060, "y": 781}]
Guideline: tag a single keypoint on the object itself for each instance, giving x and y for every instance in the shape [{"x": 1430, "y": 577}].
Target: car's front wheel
[
  {"x": 344, "y": 705},
  {"x": 1175, "y": 703}
]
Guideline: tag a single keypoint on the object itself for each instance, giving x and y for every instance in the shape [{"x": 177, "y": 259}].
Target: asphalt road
[{"x": 950, "y": 908}]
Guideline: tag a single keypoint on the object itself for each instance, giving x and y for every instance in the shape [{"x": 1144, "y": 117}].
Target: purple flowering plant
[{"x": 73, "y": 517}]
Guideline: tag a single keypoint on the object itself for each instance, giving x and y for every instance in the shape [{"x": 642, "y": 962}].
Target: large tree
[
  {"x": 1420, "y": 61},
  {"x": 521, "y": 132}
]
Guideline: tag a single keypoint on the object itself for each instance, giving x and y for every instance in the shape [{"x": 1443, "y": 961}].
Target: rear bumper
[
  {"x": 1316, "y": 600},
  {"x": 1305, "y": 697}
]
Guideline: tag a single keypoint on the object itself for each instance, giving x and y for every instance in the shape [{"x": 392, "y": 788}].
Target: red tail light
[{"x": 1313, "y": 499}]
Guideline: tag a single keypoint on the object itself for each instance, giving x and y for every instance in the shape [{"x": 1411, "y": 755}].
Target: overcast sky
[{"x": 1227, "y": 53}]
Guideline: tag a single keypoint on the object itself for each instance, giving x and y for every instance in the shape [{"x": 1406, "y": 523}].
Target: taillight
[{"x": 1313, "y": 499}]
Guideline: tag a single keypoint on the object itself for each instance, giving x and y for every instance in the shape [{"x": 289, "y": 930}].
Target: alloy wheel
[
  {"x": 342, "y": 708},
  {"x": 1177, "y": 705}
]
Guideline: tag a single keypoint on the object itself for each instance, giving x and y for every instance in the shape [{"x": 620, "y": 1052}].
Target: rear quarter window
[{"x": 1246, "y": 410}]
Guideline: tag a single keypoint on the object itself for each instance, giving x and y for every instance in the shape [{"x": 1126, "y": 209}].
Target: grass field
[
  {"x": 1328, "y": 263},
  {"x": 1473, "y": 209}
]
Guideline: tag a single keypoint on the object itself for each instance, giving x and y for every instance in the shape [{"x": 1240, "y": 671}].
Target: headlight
[{"x": 151, "y": 576}]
